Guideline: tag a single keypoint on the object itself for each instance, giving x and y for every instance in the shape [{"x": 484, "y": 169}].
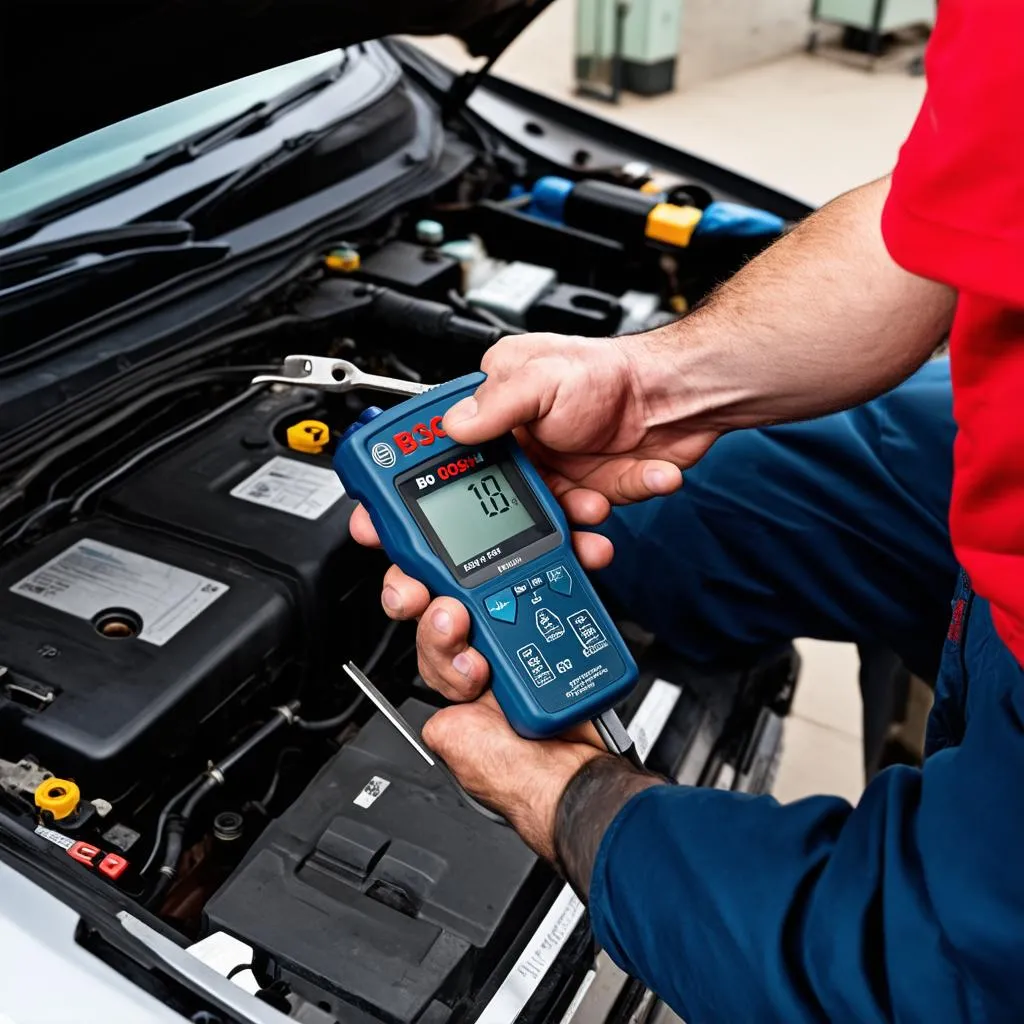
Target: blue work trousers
[{"x": 909, "y": 907}]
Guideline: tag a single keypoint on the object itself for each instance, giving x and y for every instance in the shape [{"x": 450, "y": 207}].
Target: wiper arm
[
  {"x": 256, "y": 118},
  {"x": 184, "y": 151},
  {"x": 29, "y": 261}
]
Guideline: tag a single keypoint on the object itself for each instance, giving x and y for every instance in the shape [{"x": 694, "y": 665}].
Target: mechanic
[{"x": 732, "y": 907}]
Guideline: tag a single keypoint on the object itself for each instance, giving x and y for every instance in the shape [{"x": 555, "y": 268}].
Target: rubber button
[
  {"x": 559, "y": 580},
  {"x": 520, "y": 588},
  {"x": 502, "y": 606}
]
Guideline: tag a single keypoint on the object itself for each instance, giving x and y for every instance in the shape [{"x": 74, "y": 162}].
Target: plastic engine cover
[
  {"x": 119, "y": 646},
  {"x": 378, "y": 890}
]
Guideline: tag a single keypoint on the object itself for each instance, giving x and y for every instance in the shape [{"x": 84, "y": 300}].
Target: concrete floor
[{"x": 811, "y": 126}]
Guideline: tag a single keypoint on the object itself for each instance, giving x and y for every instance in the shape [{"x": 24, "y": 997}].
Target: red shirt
[{"x": 956, "y": 214}]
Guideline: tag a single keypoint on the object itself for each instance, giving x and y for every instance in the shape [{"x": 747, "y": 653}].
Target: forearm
[{"x": 822, "y": 320}]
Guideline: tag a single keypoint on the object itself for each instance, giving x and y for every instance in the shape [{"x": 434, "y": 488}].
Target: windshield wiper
[
  {"x": 47, "y": 288},
  {"x": 33, "y": 260},
  {"x": 256, "y": 118}
]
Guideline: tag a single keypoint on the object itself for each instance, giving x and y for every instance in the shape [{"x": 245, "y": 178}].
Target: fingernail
[
  {"x": 442, "y": 621},
  {"x": 391, "y": 599},
  {"x": 461, "y": 411},
  {"x": 462, "y": 663},
  {"x": 655, "y": 479}
]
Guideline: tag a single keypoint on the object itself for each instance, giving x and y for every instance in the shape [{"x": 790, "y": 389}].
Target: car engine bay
[{"x": 179, "y": 591}]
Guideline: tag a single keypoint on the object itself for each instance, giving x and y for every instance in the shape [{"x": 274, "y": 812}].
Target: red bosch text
[{"x": 420, "y": 434}]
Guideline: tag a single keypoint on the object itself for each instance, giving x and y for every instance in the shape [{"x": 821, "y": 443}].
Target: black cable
[
  {"x": 198, "y": 788},
  {"x": 15, "y": 492},
  {"x": 483, "y": 314},
  {"x": 344, "y": 717},
  {"x": 169, "y": 439},
  {"x": 332, "y": 724},
  {"x": 161, "y": 821},
  {"x": 25, "y": 440},
  {"x": 275, "y": 779}
]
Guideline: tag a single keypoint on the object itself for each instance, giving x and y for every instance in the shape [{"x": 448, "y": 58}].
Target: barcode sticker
[
  {"x": 57, "y": 838},
  {"x": 371, "y": 791}
]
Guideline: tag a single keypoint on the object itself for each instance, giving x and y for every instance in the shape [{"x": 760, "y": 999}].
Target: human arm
[{"x": 819, "y": 321}]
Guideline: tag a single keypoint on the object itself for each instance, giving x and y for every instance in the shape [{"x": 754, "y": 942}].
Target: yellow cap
[
  {"x": 344, "y": 260},
  {"x": 651, "y": 188},
  {"x": 672, "y": 224},
  {"x": 309, "y": 436},
  {"x": 58, "y": 796}
]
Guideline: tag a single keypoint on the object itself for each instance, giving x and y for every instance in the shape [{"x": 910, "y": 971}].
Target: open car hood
[{"x": 69, "y": 69}]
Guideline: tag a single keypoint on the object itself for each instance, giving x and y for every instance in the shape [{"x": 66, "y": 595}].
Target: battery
[
  {"x": 379, "y": 894},
  {"x": 119, "y": 647}
]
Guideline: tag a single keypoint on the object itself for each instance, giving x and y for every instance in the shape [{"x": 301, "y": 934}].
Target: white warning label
[
  {"x": 291, "y": 486},
  {"x": 91, "y": 577}
]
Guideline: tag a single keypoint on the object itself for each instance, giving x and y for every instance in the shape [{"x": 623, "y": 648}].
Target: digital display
[{"x": 475, "y": 513}]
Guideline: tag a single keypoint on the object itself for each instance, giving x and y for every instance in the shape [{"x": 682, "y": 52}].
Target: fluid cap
[
  {"x": 429, "y": 232},
  {"x": 309, "y": 436},
  {"x": 371, "y": 412},
  {"x": 58, "y": 796},
  {"x": 345, "y": 260}
]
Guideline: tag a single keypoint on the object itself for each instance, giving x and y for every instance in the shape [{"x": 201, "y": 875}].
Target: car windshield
[{"x": 111, "y": 150}]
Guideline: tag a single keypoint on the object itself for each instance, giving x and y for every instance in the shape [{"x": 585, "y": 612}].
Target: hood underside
[{"x": 69, "y": 69}]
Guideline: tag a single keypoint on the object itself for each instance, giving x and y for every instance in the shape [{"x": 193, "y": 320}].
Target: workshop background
[{"x": 790, "y": 94}]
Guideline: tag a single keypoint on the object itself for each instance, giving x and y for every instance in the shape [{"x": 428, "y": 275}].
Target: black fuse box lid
[{"x": 379, "y": 889}]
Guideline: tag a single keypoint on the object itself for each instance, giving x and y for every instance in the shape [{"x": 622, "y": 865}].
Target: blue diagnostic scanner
[{"x": 478, "y": 524}]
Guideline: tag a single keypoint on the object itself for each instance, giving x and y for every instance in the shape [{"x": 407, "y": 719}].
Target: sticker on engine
[
  {"x": 91, "y": 578},
  {"x": 57, "y": 838},
  {"x": 291, "y": 486},
  {"x": 371, "y": 791}
]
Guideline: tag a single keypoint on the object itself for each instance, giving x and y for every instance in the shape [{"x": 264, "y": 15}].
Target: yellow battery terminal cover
[
  {"x": 308, "y": 436},
  {"x": 671, "y": 224},
  {"x": 58, "y": 796}
]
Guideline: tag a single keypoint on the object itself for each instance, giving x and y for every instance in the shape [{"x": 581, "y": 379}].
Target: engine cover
[
  {"x": 119, "y": 646},
  {"x": 378, "y": 889}
]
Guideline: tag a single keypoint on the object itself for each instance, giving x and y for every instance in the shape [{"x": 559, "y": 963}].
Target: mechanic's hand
[
  {"x": 578, "y": 411},
  {"x": 521, "y": 779}
]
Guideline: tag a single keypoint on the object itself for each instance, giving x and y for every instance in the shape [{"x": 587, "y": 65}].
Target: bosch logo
[
  {"x": 419, "y": 434},
  {"x": 383, "y": 454}
]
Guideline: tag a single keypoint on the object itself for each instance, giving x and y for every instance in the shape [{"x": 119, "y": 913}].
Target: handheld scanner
[{"x": 478, "y": 524}]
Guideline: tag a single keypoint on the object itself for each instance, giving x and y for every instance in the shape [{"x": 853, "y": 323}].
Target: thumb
[{"x": 499, "y": 405}]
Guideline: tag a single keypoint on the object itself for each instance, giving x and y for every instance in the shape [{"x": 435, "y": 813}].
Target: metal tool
[
  {"x": 337, "y": 375},
  {"x": 406, "y": 731}
]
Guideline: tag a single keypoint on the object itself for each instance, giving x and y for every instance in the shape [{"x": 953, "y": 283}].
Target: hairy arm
[{"x": 820, "y": 321}]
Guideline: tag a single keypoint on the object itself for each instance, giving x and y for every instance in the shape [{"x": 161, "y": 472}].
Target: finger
[
  {"x": 362, "y": 529},
  {"x": 447, "y": 663},
  {"x": 497, "y": 407},
  {"x": 624, "y": 480},
  {"x": 583, "y": 506},
  {"x": 402, "y": 596},
  {"x": 593, "y": 550}
]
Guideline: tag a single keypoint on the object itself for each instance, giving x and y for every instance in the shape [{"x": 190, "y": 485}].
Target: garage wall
[{"x": 723, "y": 36}]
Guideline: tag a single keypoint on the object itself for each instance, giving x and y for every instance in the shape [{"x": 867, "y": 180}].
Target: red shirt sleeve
[{"x": 955, "y": 212}]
